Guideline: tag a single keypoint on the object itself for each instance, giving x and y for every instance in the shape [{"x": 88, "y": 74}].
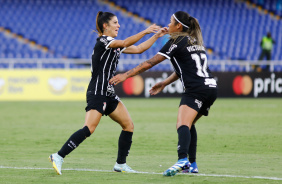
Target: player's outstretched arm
[
  {"x": 135, "y": 38},
  {"x": 138, "y": 69},
  {"x": 146, "y": 44},
  {"x": 161, "y": 85}
]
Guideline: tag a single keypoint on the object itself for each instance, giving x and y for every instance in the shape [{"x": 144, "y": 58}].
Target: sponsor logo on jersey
[
  {"x": 57, "y": 85},
  {"x": 210, "y": 82},
  {"x": 117, "y": 51},
  {"x": 173, "y": 46},
  {"x": 110, "y": 89},
  {"x": 199, "y": 103}
]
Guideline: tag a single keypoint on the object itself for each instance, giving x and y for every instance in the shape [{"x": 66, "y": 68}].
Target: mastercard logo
[
  {"x": 133, "y": 85},
  {"x": 242, "y": 85}
]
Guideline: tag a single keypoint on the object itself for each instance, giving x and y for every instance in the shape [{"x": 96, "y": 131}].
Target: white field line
[{"x": 96, "y": 170}]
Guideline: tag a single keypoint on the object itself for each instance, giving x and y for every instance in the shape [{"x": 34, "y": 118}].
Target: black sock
[
  {"x": 193, "y": 145},
  {"x": 183, "y": 141},
  {"x": 74, "y": 140},
  {"x": 124, "y": 144}
]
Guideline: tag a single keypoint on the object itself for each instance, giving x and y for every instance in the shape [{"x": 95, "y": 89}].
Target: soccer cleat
[
  {"x": 193, "y": 168},
  {"x": 123, "y": 168},
  {"x": 186, "y": 170},
  {"x": 182, "y": 164},
  {"x": 57, "y": 162}
]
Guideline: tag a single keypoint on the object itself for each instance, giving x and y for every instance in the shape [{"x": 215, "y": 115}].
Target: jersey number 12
[{"x": 202, "y": 68}]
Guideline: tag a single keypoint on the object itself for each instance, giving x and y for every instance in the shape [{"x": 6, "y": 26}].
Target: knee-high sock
[
  {"x": 74, "y": 140},
  {"x": 124, "y": 144},
  {"x": 183, "y": 141},
  {"x": 193, "y": 145}
]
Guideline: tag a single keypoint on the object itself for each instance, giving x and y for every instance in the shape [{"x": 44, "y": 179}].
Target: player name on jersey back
[{"x": 194, "y": 48}]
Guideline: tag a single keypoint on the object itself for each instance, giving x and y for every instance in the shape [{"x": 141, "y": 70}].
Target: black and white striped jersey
[
  {"x": 103, "y": 66},
  {"x": 190, "y": 64}
]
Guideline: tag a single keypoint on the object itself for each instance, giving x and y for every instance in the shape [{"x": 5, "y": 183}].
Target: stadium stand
[{"x": 64, "y": 28}]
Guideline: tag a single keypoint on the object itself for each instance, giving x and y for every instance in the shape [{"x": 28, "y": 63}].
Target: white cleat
[
  {"x": 123, "y": 168},
  {"x": 57, "y": 162}
]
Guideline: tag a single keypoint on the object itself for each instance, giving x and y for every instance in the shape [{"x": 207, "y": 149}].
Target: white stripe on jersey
[
  {"x": 104, "y": 71},
  {"x": 123, "y": 49},
  {"x": 180, "y": 72},
  {"x": 96, "y": 84},
  {"x": 164, "y": 55},
  {"x": 107, "y": 46},
  {"x": 92, "y": 63},
  {"x": 103, "y": 55},
  {"x": 111, "y": 66},
  {"x": 98, "y": 75}
]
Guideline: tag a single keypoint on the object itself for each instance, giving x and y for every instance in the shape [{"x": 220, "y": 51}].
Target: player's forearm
[
  {"x": 147, "y": 44},
  {"x": 138, "y": 69},
  {"x": 133, "y": 39},
  {"x": 145, "y": 66},
  {"x": 173, "y": 77}
]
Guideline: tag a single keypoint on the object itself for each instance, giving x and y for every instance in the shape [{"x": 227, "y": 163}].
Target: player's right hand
[
  {"x": 157, "y": 88},
  {"x": 152, "y": 29}
]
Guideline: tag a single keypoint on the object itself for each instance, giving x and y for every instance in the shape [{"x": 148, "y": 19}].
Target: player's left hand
[
  {"x": 152, "y": 29},
  {"x": 118, "y": 79}
]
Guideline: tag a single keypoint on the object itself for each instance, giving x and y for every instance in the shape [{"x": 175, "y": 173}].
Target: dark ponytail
[
  {"x": 190, "y": 26},
  {"x": 101, "y": 18}
]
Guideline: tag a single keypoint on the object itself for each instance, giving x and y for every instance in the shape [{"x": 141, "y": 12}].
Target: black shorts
[
  {"x": 103, "y": 104},
  {"x": 201, "y": 102}
]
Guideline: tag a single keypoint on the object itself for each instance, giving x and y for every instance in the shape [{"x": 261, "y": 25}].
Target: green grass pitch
[{"x": 239, "y": 142}]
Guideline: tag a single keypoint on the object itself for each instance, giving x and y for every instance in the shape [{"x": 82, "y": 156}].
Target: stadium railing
[{"x": 126, "y": 64}]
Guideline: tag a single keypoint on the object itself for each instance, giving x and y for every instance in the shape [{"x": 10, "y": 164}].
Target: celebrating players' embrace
[
  {"x": 187, "y": 54},
  {"x": 101, "y": 97}
]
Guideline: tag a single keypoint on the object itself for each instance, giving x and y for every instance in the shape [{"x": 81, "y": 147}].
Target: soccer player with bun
[
  {"x": 187, "y": 54},
  {"x": 101, "y": 97}
]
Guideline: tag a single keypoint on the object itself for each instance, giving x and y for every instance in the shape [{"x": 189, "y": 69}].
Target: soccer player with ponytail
[
  {"x": 187, "y": 54},
  {"x": 101, "y": 97}
]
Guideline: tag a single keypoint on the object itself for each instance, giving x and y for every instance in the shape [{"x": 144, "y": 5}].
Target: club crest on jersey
[
  {"x": 103, "y": 40},
  {"x": 199, "y": 103},
  {"x": 173, "y": 46}
]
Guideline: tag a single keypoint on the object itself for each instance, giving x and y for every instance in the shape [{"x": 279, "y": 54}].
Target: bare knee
[
  {"x": 91, "y": 128},
  {"x": 179, "y": 124},
  {"x": 129, "y": 127}
]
